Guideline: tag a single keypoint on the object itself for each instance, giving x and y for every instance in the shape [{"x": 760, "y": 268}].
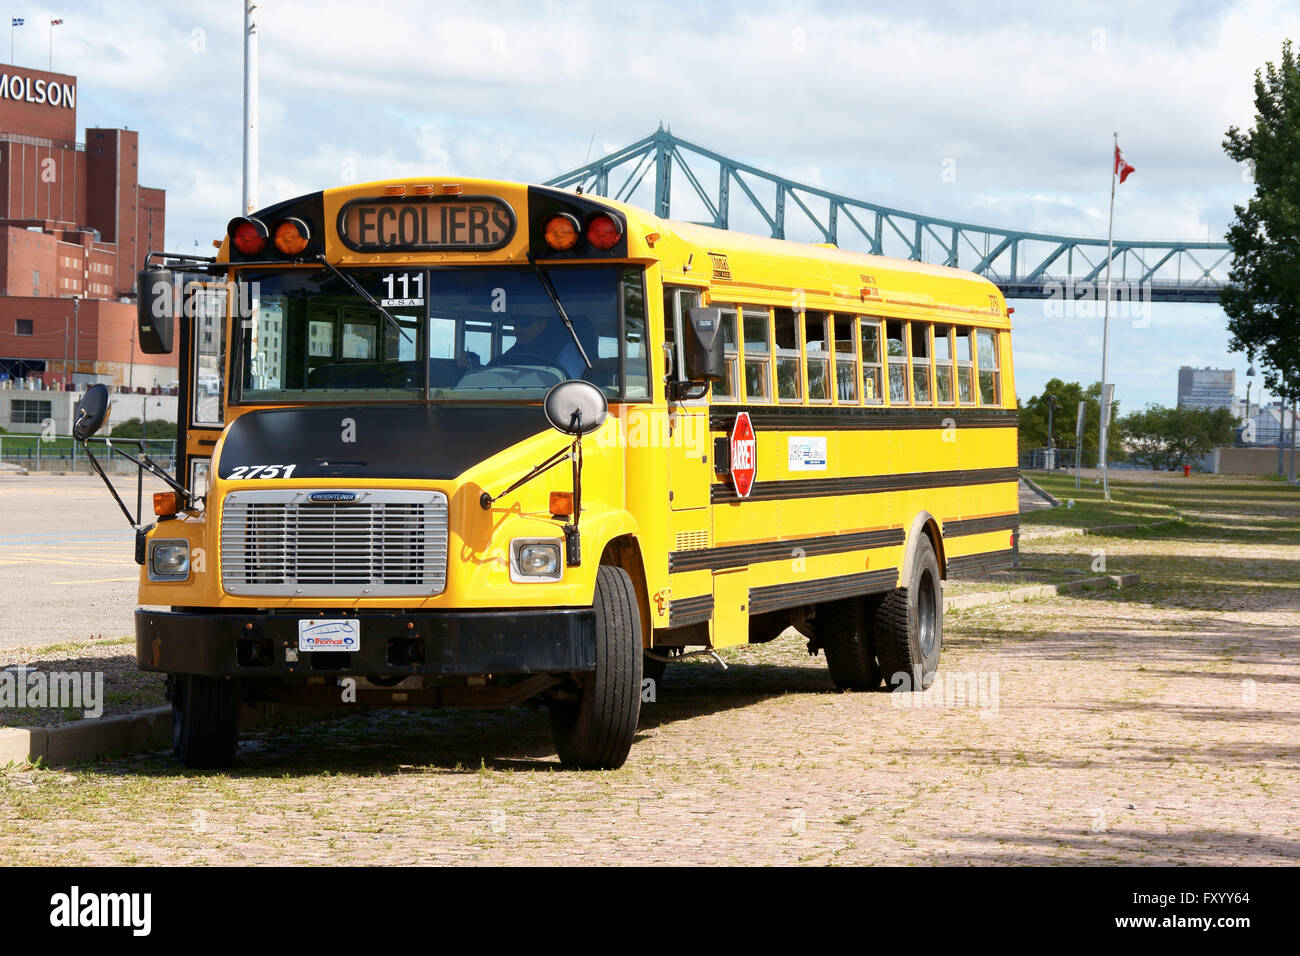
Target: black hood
[{"x": 387, "y": 441}]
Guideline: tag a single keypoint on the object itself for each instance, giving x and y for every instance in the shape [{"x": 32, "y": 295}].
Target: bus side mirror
[
  {"x": 575, "y": 407},
  {"x": 155, "y": 321},
  {"x": 702, "y": 340},
  {"x": 91, "y": 412}
]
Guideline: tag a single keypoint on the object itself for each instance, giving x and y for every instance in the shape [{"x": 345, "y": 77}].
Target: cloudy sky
[{"x": 1015, "y": 101}]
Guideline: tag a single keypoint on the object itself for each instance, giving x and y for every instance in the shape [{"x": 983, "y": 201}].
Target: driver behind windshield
[{"x": 541, "y": 340}]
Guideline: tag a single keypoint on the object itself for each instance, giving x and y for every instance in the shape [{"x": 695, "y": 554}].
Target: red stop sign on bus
[{"x": 744, "y": 455}]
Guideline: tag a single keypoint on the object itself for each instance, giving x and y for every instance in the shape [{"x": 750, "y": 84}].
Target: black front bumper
[{"x": 445, "y": 643}]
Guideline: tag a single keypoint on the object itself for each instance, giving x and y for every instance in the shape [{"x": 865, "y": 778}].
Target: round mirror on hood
[
  {"x": 575, "y": 407},
  {"x": 91, "y": 412}
]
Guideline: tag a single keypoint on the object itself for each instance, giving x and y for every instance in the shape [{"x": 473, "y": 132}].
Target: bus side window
[
  {"x": 208, "y": 385},
  {"x": 988, "y": 364},
  {"x": 786, "y": 326},
  {"x": 943, "y": 364},
  {"x": 637, "y": 378},
  {"x": 896, "y": 346},
  {"x": 846, "y": 361},
  {"x": 921, "y": 363},
  {"x": 872, "y": 382},
  {"x": 758, "y": 357},
  {"x": 817, "y": 341},
  {"x": 725, "y": 391},
  {"x": 965, "y": 368}
]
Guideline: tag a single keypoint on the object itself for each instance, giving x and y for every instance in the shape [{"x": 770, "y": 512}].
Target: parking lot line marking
[{"x": 97, "y": 581}]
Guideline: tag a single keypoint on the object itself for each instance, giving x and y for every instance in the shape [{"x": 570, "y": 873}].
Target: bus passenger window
[
  {"x": 846, "y": 364},
  {"x": 895, "y": 345},
  {"x": 872, "y": 385},
  {"x": 965, "y": 368},
  {"x": 921, "y": 363},
  {"x": 787, "y": 355},
  {"x": 988, "y": 363},
  {"x": 817, "y": 337},
  {"x": 757, "y": 353},
  {"x": 725, "y": 391},
  {"x": 943, "y": 364}
]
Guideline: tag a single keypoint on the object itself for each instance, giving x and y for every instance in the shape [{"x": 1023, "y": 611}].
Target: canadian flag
[{"x": 1121, "y": 167}]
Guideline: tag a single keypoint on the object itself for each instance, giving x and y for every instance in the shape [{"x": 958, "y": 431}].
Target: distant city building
[
  {"x": 1270, "y": 422},
  {"x": 75, "y": 227},
  {"x": 1206, "y": 387}
]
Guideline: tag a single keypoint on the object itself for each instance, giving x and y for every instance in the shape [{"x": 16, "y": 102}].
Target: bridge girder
[{"x": 1023, "y": 264}]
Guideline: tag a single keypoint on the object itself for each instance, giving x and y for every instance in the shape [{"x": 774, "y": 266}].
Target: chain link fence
[{"x": 62, "y": 453}]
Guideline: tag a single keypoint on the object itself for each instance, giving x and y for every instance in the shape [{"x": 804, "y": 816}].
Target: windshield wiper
[
  {"x": 360, "y": 290},
  {"x": 559, "y": 308}
]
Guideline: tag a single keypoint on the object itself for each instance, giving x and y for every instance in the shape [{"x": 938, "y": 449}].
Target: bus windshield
[{"x": 455, "y": 334}]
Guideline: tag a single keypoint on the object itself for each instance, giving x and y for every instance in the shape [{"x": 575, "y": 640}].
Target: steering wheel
[{"x": 527, "y": 358}]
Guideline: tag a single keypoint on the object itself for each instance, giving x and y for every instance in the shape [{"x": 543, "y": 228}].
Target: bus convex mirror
[
  {"x": 575, "y": 407},
  {"x": 91, "y": 412},
  {"x": 702, "y": 338},
  {"x": 154, "y": 309}
]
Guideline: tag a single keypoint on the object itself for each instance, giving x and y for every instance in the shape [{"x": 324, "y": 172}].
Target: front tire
[
  {"x": 909, "y": 624},
  {"x": 595, "y": 732},
  {"x": 205, "y": 721}
]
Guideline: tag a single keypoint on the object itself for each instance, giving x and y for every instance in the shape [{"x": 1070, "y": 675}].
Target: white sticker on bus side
[{"x": 807, "y": 453}]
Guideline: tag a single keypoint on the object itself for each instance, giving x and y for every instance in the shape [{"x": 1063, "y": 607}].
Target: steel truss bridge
[{"x": 1025, "y": 265}]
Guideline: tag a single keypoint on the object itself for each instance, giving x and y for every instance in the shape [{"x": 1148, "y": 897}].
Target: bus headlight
[
  {"x": 535, "y": 559},
  {"x": 169, "y": 559}
]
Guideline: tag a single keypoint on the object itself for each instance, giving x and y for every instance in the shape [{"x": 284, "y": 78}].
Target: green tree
[
  {"x": 133, "y": 428},
  {"x": 1164, "y": 438},
  {"x": 1263, "y": 301},
  {"x": 1067, "y": 395}
]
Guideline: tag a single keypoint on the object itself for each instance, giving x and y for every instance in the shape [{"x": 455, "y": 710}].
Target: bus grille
[{"x": 383, "y": 544}]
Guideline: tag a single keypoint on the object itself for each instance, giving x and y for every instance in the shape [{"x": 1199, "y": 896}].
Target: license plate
[{"x": 327, "y": 634}]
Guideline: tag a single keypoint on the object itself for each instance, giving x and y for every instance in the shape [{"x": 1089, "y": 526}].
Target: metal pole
[
  {"x": 1291, "y": 475},
  {"x": 65, "y": 353},
  {"x": 1281, "y": 429},
  {"x": 250, "y": 107},
  {"x": 1105, "y": 328},
  {"x": 76, "y": 336}
]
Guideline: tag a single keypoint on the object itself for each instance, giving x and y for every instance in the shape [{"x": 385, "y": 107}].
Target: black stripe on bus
[
  {"x": 1007, "y": 522},
  {"x": 981, "y": 563},
  {"x": 778, "y": 596},
  {"x": 739, "y": 555},
  {"x": 690, "y": 610},
  {"x": 861, "y": 484},
  {"x": 794, "y": 418}
]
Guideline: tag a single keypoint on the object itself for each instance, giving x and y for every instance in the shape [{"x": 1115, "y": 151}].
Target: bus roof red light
[
  {"x": 248, "y": 236},
  {"x": 561, "y": 232},
  {"x": 603, "y": 232}
]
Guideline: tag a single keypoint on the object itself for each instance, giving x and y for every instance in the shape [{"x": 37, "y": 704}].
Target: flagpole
[
  {"x": 1105, "y": 326},
  {"x": 51, "y": 46}
]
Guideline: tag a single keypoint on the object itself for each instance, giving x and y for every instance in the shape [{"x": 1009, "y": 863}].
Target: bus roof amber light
[
  {"x": 248, "y": 235},
  {"x": 561, "y": 504},
  {"x": 394, "y": 190},
  {"x": 291, "y": 236},
  {"x": 561, "y": 232},
  {"x": 603, "y": 232},
  {"x": 452, "y": 189},
  {"x": 424, "y": 190}
]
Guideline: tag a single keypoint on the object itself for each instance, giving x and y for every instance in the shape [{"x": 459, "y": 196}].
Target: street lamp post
[{"x": 1051, "y": 445}]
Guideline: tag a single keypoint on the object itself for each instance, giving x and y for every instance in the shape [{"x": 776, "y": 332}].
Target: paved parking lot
[{"x": 67, "y": 568}]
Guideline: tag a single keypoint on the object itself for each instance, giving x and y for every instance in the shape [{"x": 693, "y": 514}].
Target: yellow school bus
[{"x": 480, "y": 443}]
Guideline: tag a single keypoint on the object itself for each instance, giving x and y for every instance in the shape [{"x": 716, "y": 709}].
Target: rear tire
[
  {"x": 205, "y": 721},
  {"x": 595, "y": 732},
  {"x": 909, "y": 624},
  {"x": 844, "y": 630}
]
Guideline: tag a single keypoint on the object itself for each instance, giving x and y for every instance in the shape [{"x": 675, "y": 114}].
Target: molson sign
[
  {"x": 30, "y": 89},
  {"x": 418, "y": 223}
]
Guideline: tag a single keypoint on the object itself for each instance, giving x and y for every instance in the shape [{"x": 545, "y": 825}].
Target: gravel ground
[{"x": 1156, "y": 725}]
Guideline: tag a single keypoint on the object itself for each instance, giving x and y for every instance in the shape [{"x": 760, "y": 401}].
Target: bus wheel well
[
  {"x": 625, "y": 552},
  {"x": 924, "y": 523}
]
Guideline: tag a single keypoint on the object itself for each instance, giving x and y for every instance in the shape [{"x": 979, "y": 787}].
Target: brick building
[{"x": 75, "y": 228}]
